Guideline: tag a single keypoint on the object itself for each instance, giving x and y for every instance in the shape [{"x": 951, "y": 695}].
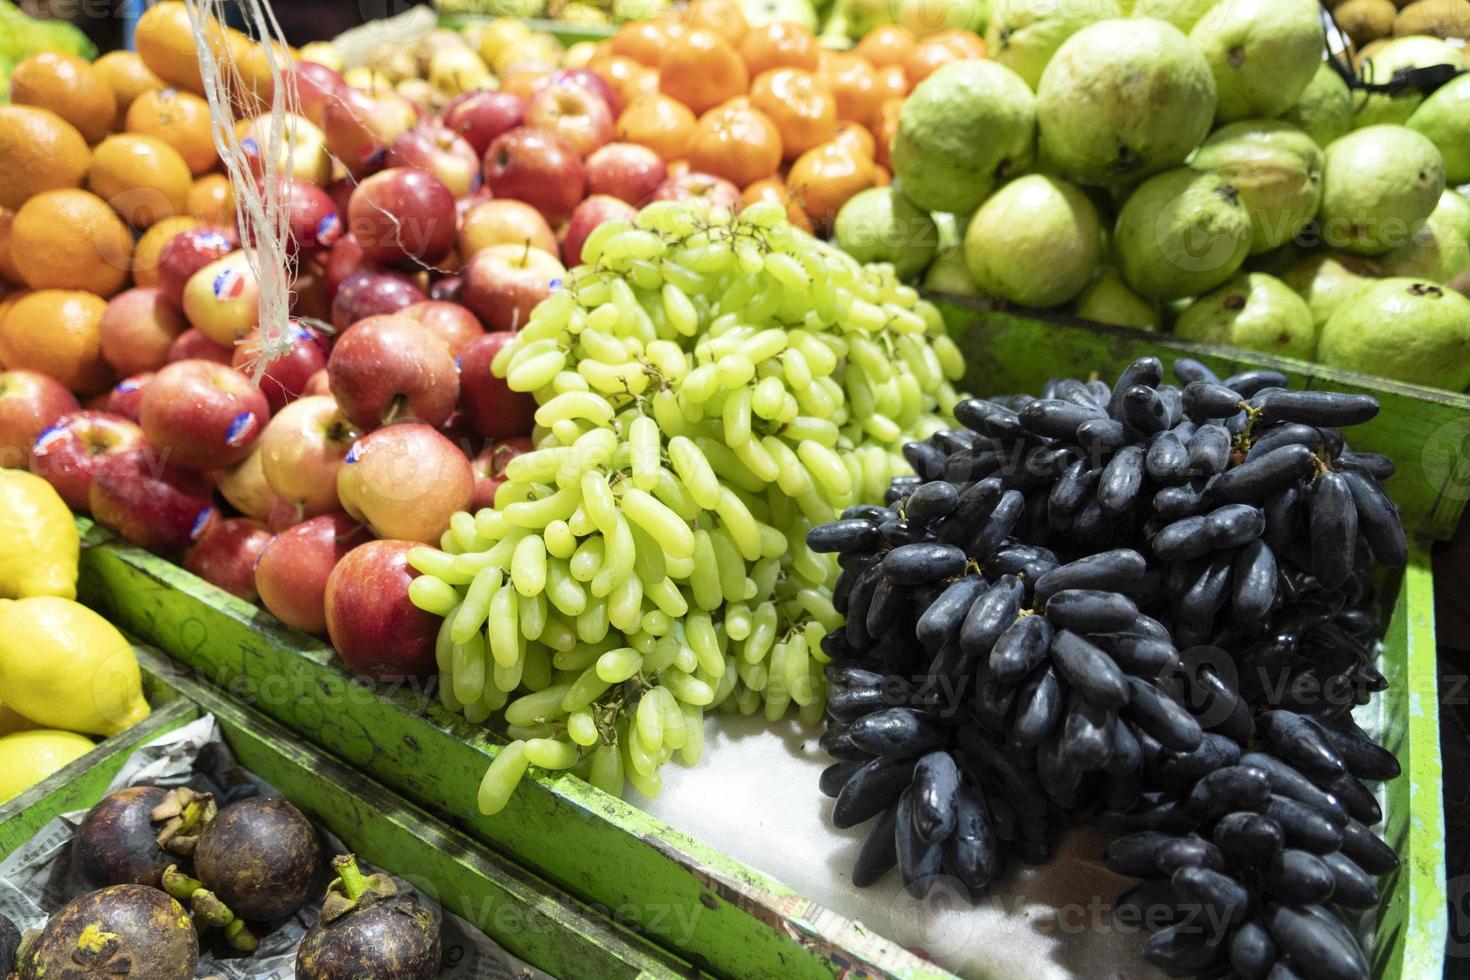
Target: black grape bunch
[{"x": 1084, "y": 606}]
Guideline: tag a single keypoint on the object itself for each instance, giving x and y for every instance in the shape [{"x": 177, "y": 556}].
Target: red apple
[
  {"x": 627, "y": 171},
  {"x": 316, "y": 86},
  {"x": 68, "y": 453},
  {"x": 573, "y": 112},
  {"x": 126, "y": 397},
  {"x": 492, "y": 409},
  {"x": 30, "y": 403},
  {"x": 434, "y": 147},
  {"x": 481, "y": 116},
  {"x": 402, "y": 215},
  {"x": 225, "y": 556},
  {"x": 589, "y": 214},
  {"x": 592, "y": 82},
  {"x": 377, "y": 630},
  {"x": 137, "y": 329},
  {"x": 450, "y": 322},
  {"x": 201, "y": 415},
  {"x": 286, "y": 375},
  {"x": 188, "y": 252},
  {"x": 539, "y": 168},
  {"x": 191, "y": 345},
  {"x": 715, "y": 193},
  {"x": 345, "y": 258},
  {"x": 150, "y": 503},
  {"x": 387, "y": 369},
  {"x": 489, "y": 467},
  {"x": 222, "y": 300},
  {"x": 359, "y": 127},
  {"x": 317, "y": 384},
  {"x": 301, "y": 451},
  {"x": 291, "y": 575},
  {"x": 447, "y": 289},
  {"x": 502, "y": 221},
  {"x": 314, "y": 223},
  {"x": 244, "y": 486},
  {"x": 373, "y": 293},
  {"x": 406, "y": 481},
  {"x": 503, "y": 283}
]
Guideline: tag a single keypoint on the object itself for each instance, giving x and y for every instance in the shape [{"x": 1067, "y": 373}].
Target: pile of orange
[
  {"x": 767, "y": 107},
  {"x": 100, "y": 164}
]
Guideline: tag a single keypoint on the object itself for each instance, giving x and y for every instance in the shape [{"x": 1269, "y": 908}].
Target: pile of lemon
[{"x": 65, "y": 672}]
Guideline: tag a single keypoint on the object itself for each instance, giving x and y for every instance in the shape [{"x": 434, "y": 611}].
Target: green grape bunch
[{"x": 709, "y": 388}]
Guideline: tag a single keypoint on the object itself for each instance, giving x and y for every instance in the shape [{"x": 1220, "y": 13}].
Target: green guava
[
  {"x": 1417, "y": 51},
  {"x": 1276, "y": 168},
  {"x": 1036, "y": 242},
  {"x": 1405, "y": 329},
  {"x": 949, "y": 273},
  {"x": 1123, "y": 99},
  {"x": 1453, "y": 209},
  {"x": 1252, "y": 310},
  {"x": 1181, "y": 233},
  {"x": 1263, "y": 53},
  {"x": 1437, "y": 252},
  {"x": 1024, "y": 34},
  {"x": 1325, "y": 109},
  {"x": 925, "y": 17},
  {"x": 1378, "y": 186},
  {"x": 1445, "y": 119},
  {"x": 962, "y": 130},
  {"x": 1109, "y": 300},
  {"x": 881, "y": 225},
  {"x": 1329, "y": 279},
  {"x": 765, "y": 11},
  {"x": 1183, "y": 14}
]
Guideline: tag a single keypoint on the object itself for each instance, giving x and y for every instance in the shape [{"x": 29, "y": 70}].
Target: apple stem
[{"x": 395, "y": 409}]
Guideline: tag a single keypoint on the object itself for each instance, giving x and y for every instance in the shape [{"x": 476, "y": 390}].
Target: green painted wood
[
  {"x": 83, "y": 782},
  {"x": 1426, "y": 431},
  {"x": 534, "y": 921},
  {"x": 704, "y": 906}
]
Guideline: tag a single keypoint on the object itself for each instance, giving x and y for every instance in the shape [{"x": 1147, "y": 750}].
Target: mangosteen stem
[
  {"x": 239, "y": 936},
  {"x": 180, "y": 885},
  {"x": 183, "y": 813},
  {"x": 353, "y": 890},
  {"x": 353, "y": 882}
]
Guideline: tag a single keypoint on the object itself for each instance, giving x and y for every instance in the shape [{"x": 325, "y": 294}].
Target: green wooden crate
[
  {"x": 1426, "y": 431},
  {"x": 706, "y": 907},
  {"x": 533, "y": 920},
  {"x": 567, "y": 32}
]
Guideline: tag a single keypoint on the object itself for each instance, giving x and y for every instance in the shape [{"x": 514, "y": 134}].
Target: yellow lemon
[
  {"x": 26, "y": 758},
  {"x": 64, "y": 666},
  {"x": 38, "y": 539}
]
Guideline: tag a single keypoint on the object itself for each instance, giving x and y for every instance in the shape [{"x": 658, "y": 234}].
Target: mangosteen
[
  {"x": 119, "y": 931},
  {"x": 9, "y": 945},
  {"x": 369, "y": 930},
  {"x": 117, "y": 842},
  {"x": 260, "y": 857}
]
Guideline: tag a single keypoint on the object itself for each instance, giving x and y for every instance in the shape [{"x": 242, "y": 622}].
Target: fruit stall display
[{"x": 574, "y": 389}]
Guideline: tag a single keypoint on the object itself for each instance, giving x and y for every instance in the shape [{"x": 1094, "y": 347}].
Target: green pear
[
  {"x": 1406, "y": 329},
  {"x": 1438, "y": 251},
  {"x": 1416, "y": 51},
  {"x": 1329, "y": 279},
  {"x": 1181, "y": 233},
  {"x": 1123, "y": 99},
  {"x": 1109, "y": 300},
  {"x": 1325, "y": 109},
  {"x": 1379, "y": 184},
  {"x": 1263, "y": 54},
  {"x": 1024, "y": 34},
  {"x": 1036, "y": 242},
  {"x": 1276, "y": 168},
  {"x": 962, "y": 130},
  {"x": 1252, "y": 310},
  {"x": 881, "y": 225},
  {"x": 1445, "y": 119}
]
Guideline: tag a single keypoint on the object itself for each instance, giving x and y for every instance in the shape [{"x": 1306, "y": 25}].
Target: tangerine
[
  {"x": 69, "y": 87},
  {"x": 663, "y": 124},
  {"x": 143, "y": 178},
  {"x": 736, "y": 141},
  {"x": 57, "y": 333},
  {"x": 800, "y": 104},
  {"x": 780, "y": 44},
  {"x": 180, "y": 119},
  {"x": 70, "y": 239},
  {"x": 39, "y": 151},
  {"x": 702, "y": 70}
]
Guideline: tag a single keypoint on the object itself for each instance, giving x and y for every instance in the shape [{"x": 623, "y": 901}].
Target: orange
[
  {"x": 69, "y": 87},
  {"x": 736, "y": 141},
  {"x": 628, "y": 78},
  {"x": 70, "y": 239},
  {"x": 854, "y": 85},
  {"x": 179, "y": 119},
  {"x": 642, "y": 40},
  {"x": 775, "y": 189},
  {"x": 893, "y": 82},
  {"x": 940, "y": 49},
  {"x": 883, "y": 132},
  {"x": 165, "y": 42},
  {"x": 251, "y": 91},
  {"x": 779, "y": 44},
  {"x": 212, "y": 200},
  {"x": 39, "y": 151},
  {"x": 128, "y": 78},
  {"x": 56, "y": 332},
  {"x": 678, "y": 168},
  {"x": 663, "y": 124},
  {"x": 824, "y": 177},
  {"x": 885, "y": 45},
  {"x": 701, "y": 70},
  {"x": 143, "y": 178},
  {"x": 801, "y": 106},
  {"x": 524, "y": 77},
  {"x": 8, "y": 271},
  {"x": 856, "y": 138},
  {"x": 145, "y": 253},
  {"x": 724, "y": 17}
]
